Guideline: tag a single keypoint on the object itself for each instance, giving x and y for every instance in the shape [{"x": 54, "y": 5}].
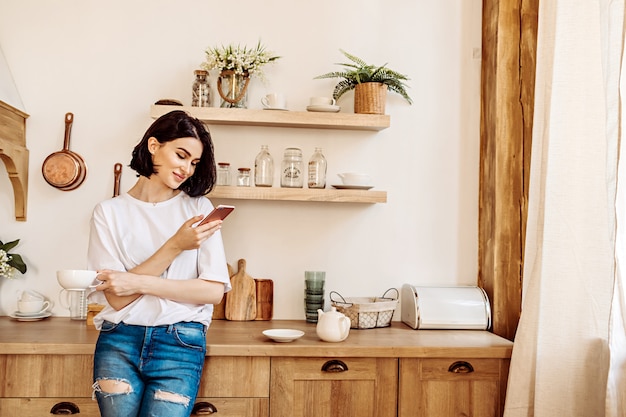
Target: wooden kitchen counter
[{"x": 62, "y": 336}]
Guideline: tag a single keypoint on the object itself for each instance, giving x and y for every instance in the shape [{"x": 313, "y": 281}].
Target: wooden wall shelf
[
  {"x": 277, "y": 118},
  {"x": 299, "y": 194},
  {"x": 14, "y": 154}
]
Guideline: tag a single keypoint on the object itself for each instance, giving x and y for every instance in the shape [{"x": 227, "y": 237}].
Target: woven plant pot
[{"x": 370, "y": 98}]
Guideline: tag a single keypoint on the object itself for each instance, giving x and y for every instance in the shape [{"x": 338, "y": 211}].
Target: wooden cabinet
[
  {"x": 452, "y": 387},
  {"x": 342, "y": 387},
  {"x": 383, "y": 372}
]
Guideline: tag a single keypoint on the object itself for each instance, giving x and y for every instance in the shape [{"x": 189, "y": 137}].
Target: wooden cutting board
[
  {"x": 219, "y": 310},
  {"x": 264, "y": 298},
  {"x": 241, "y": 301}
]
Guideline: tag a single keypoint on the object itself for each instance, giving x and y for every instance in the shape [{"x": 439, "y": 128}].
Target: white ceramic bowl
[
  {"x": 76, "y": 279},
  {"x": 283, "y": 335},
  {"x": 354, "y": 178}
]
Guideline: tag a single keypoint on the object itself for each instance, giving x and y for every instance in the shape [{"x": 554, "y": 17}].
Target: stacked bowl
[{"x": 313, "y": 294}]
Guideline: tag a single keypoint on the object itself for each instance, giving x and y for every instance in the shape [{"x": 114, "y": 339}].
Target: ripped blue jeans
[{"x": 148, "y": 371}]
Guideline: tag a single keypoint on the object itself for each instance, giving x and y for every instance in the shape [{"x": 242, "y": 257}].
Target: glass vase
[{"x": 233, "y": 89}]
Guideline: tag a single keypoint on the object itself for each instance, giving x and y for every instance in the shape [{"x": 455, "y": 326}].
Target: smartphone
[{"x": 219, "y": 213}]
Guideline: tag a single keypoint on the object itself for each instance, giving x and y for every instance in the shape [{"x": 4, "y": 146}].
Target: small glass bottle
[
  {"x": 291, "y": 169},
  {"x": 201, "y": 90},
  {"x": 223, "y": 173},
  {"x": 264, "y": 168},
  {"x": 317, "y": 170},
  {"x": 243, "y": 179}
]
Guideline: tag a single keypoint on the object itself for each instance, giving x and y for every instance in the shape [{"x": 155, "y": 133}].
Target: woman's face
[{"x": 174, "y": 161}]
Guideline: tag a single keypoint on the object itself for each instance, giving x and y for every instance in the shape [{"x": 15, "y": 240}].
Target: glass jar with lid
[
  {"x": 291, "y": 175},
  {"x": 223, "y": 173},
  {"x": 201, "y": 90},
  {"x": 243, "y": 179}
]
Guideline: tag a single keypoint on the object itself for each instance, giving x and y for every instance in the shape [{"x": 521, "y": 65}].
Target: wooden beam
[{"x": 509, "y": 44}]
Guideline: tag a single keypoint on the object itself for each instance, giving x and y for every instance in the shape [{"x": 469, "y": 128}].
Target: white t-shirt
[{"x": 126, "y": 231}]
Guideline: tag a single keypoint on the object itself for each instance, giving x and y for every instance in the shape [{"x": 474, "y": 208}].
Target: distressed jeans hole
[
  {"x": 171, "y": 397},
  {"x": 112, "y": 386}
]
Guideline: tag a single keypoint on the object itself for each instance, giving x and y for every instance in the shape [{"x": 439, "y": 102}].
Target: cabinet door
[
  {"x": 322, "y": 387},
  {"x": 451, "y": 388},
  {"x": 38, "y": 407},
  {"x": 46, "y": 375},
  {"x": 235, "y": 376}
]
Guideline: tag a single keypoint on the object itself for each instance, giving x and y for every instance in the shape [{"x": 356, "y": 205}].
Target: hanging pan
[{"x": 65, "y": 170}]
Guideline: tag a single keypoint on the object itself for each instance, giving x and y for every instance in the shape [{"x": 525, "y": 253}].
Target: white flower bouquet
[{"x": 240, "y": 59}]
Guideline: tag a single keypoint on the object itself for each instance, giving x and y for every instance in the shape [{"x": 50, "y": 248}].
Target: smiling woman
[{"x": 160, "y": 275}]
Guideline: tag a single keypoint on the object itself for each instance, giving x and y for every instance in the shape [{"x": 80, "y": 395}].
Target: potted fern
[{"x": 369, "y": 82}]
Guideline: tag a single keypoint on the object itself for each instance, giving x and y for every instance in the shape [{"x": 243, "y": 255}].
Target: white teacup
[
  {"x": 354, "y": 178},
  {"x": 29, "y": 295},
  {"x": 322, "y": 101},
  {"x": 274, "y": 101},
  {"x": 33, "y": 307}
]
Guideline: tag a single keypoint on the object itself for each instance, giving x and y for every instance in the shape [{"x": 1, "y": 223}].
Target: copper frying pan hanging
[{"x": 65, "y": 170}]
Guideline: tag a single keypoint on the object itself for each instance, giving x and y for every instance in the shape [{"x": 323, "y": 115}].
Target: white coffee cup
[
  {"x": 274, "y": 101},
  {"x": 32, "y": 307},
  {"x": 322, "y": 101}
]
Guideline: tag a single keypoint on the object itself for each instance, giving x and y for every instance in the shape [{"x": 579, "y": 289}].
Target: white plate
[
  {"x": 31, "y": 318},
  {"x": 283, "y": 335},
  {"x": 18, "y": 314},
  {"x": 274, "y": 108},
  {"x": 353, "y": 187},
  {"x": 328, "y": 108}
]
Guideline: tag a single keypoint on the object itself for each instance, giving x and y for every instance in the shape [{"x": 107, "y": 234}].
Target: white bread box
[{"x": 460, "y": 308}]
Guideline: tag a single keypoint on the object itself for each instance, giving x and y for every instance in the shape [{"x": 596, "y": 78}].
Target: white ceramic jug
[{"x": 332, "y": 326}]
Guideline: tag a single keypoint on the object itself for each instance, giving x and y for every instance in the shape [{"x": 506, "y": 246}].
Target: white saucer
[
  {"x": 30, "y": 318},
  {"x": 353, "y": 187},
  {"x": 328, "y": 108},
  {"x": 275, "y": 108},
  {"x": 20, "y": 314},
  {"x": 283, "y": 335}
]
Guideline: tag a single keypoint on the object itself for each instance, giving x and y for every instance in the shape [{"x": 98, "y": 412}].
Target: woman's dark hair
[{"x": 175, "y": 125}]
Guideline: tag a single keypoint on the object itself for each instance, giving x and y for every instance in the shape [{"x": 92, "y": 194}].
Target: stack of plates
[
  {"x": 29, "y": 317},
  {"x": 353, "y": 187},
  {"x": 328, "y": 108}
]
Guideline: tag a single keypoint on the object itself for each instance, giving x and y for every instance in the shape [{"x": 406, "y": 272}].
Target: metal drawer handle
[
  {"x": 64, "y": 407},
  {"x": 334, "y": 365},
  {"x": 203, "y": 408},
  {"x": 461, "y": 367}
]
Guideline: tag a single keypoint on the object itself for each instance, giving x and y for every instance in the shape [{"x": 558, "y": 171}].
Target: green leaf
[
  {"x": 18, "y": 263},
  {"x": 10, "y": 245}
]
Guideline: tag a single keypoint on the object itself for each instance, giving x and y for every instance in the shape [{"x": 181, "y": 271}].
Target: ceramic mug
[
  {"x": 322, "y": 101},
  {"x": 274, "y": 101},
  {"x": 32, "y": 307}
]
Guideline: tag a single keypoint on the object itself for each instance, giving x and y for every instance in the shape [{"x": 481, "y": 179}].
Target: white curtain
[{"x": 569, "y": 356}]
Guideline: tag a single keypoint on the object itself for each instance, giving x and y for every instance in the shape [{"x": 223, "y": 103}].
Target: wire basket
[{"x": 366, "y": 312}]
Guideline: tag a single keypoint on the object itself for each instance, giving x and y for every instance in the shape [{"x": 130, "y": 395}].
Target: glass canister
[
  {"x": 201, "y": 90},
  {"x": 264, "y": 168},
  {"x": 291, "y": 169},
  {"x": 317, "y": 170},
  {"x": 223, "y": 173},
  {"x": 243, "y": 179}
]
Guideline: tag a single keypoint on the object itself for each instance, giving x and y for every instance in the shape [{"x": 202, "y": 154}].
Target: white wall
[{"x": 108, "y": 62}]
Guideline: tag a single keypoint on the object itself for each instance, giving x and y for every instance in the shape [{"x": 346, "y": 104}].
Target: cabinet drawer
[
  {"x": 37, "y": 407},
  {"x": 313, "y": 387},
  {"x": 46, "y": 376},
  {"x": 235, "y": 376},
  {"x": 232, "y": 407}
]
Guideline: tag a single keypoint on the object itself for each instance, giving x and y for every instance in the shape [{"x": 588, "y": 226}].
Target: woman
[{"x": 159, "y": 274}]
